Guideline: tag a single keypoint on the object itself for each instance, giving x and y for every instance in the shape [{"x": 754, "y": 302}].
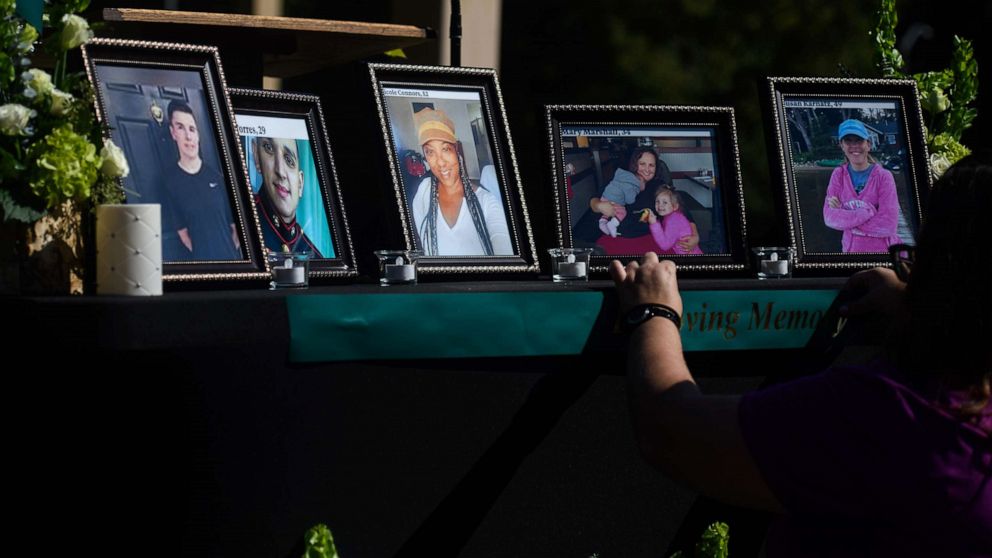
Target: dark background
[{"x": 549, "y": 439}]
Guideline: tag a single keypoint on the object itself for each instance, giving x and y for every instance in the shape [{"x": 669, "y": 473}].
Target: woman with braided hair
[{"x": 452, "y": 217}]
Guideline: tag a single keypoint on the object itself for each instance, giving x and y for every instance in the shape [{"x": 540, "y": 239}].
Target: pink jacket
[
  {"x": 870, "y": 219},
  {"x": 667, "y": 231}
]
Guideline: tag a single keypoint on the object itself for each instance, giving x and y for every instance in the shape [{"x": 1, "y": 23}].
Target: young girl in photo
[
  {"x": 672, "y": 225},
  {"x": 861, "y": 199}
]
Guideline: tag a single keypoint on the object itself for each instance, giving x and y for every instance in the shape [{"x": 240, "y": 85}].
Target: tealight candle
[
  {"x": 288, "y": 269},
  {"x": 572, "y": 269},
  {"x": 399, "y": 272},
  {"x": 569, "y": 264},
  {"x": 775, "y": 266},
  {"x": 397, "y": 267},
  {"x": 289, "y": 275}
]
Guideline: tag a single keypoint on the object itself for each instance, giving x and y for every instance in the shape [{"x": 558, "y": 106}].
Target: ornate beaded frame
[
  {"x": 485, "y": 83},
  {"x": 780, "y": 92},
  {"x": 297, "y": 106},
  {"x": 205, "y": 60},
  {"x": 629, "y": 118}
]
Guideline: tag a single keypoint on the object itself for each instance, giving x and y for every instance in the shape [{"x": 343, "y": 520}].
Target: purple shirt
[{"x": 866, "y": 466}]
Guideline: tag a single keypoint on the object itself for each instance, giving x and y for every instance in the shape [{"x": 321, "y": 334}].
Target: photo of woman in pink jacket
[{"x": 861, "y": 199}]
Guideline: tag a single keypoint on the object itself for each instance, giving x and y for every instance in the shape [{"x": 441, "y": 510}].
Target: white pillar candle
[{"x": 129, "y": 249}]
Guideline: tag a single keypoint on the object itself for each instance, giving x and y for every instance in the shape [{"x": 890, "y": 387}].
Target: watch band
[{"x": 644, "y": 312}]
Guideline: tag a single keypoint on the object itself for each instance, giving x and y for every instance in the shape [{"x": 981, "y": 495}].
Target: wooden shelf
[{"x": 282, "y": 46}]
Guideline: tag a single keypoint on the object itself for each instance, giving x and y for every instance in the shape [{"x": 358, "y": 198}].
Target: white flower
[
  {"x": 939, "y": 163},
  {"x": 37, "y": 83},
  {"x": 25, "y": 42},
  {"x": 14, "y": 119},
  {"x": 113, "y": 163},
  {"x": 61, "y": 102},
  {"x": 75, "y": 32}
]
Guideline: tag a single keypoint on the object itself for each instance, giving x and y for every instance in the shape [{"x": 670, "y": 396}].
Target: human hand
[
  {"x": 606, "y": 209},
  {"x": 652, "y": 218},
  {"x": 833, "y": 202},
  {"x": 648, "y": 282},
  {"x": 876, "y": 293},
  {"x": 688, "y": 243}
]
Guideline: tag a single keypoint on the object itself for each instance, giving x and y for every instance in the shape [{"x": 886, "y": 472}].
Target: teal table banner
[
  {"x": 439, "y": 325},
  {"x": 740, "y": 320},
  {"x": 453, "y": 325}
]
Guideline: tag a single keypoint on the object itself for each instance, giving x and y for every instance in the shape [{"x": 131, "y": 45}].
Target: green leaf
[
  {"x": 10, "y": 167},
  {"x": 319, "y": 543},
  {"x": 15, "y": 211},
  {"x": 715, "y": 541}
]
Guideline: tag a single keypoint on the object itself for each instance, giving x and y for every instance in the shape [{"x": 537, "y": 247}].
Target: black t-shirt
[{"x": 201, "y": 205}]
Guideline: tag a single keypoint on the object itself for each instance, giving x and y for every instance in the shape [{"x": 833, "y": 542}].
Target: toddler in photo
[
  {"x": 622, "y": 190},
  {"x": 672, "y": 225}
]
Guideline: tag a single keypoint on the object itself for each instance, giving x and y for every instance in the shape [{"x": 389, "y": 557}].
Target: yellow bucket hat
[{"x": 434, "y": 125}]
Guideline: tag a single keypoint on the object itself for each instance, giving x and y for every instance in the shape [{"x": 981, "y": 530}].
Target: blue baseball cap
[{"x": 852, "y": 127}]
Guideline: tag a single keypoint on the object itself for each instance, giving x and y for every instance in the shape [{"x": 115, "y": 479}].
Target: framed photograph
[
  {"x": 453, "y": 170},
  {"x": 850, "y": 161},
  {"x": 166, "y": 106},
  {"x": 632, "y": 179},
  {"x": 293, "y": 179}
]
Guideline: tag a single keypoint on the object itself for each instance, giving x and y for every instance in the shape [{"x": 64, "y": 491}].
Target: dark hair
[
  {"x": 428, "y": 228},
  {"x": 181, "y": 106},
  {"x": 636, "y": 156},
  {"x": 661, "y": 173},
  {"x": 950, "y": 288}
]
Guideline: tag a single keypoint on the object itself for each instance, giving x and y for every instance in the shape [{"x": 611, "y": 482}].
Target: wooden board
[{"x": 289, "y": 46}]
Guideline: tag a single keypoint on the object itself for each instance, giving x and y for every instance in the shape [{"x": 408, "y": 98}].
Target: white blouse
[{"x": 462, "y": 238}]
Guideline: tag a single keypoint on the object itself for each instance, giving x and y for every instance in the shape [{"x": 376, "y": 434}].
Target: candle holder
[
  {"x": 398, "y": 267},
  {"x": 773, "y": 262},
  {"x": 569, "y": 264},
  {"x": 290, "y": 270}
]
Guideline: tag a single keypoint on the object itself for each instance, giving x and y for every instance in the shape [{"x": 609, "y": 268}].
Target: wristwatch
[{"x": 644, "y": 312}]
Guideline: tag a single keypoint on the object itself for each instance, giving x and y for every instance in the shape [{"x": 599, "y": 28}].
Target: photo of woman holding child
[{"x": 648, "y": 204}]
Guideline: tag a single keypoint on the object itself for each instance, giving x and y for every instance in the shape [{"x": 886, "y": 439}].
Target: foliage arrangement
[
  {"x": 51, "y": 148},
  {"x": 714, "y": 543},
  {"x": 945, "y": 95},
  {"x": 319, "y": 543}
]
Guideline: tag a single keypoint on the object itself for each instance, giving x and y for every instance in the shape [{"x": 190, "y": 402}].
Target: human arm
[
  {"x": 668, "y": 234},
  {"x": 885, "y": 221},
  {"x": 875, "y": 300},
  {"x": 185, "y": 238},
  {"x": 499, "y": 232},
  {"x": 662, "y": 237},
  {"x": 603, "y": 207},
  {"x": 690, "y": 436},
  {"x": 689, "y": 242},
  {"x": 835, "y": 215},
  {"x": 234, "y": 238},
  {"x": 420, "y": 203}
]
